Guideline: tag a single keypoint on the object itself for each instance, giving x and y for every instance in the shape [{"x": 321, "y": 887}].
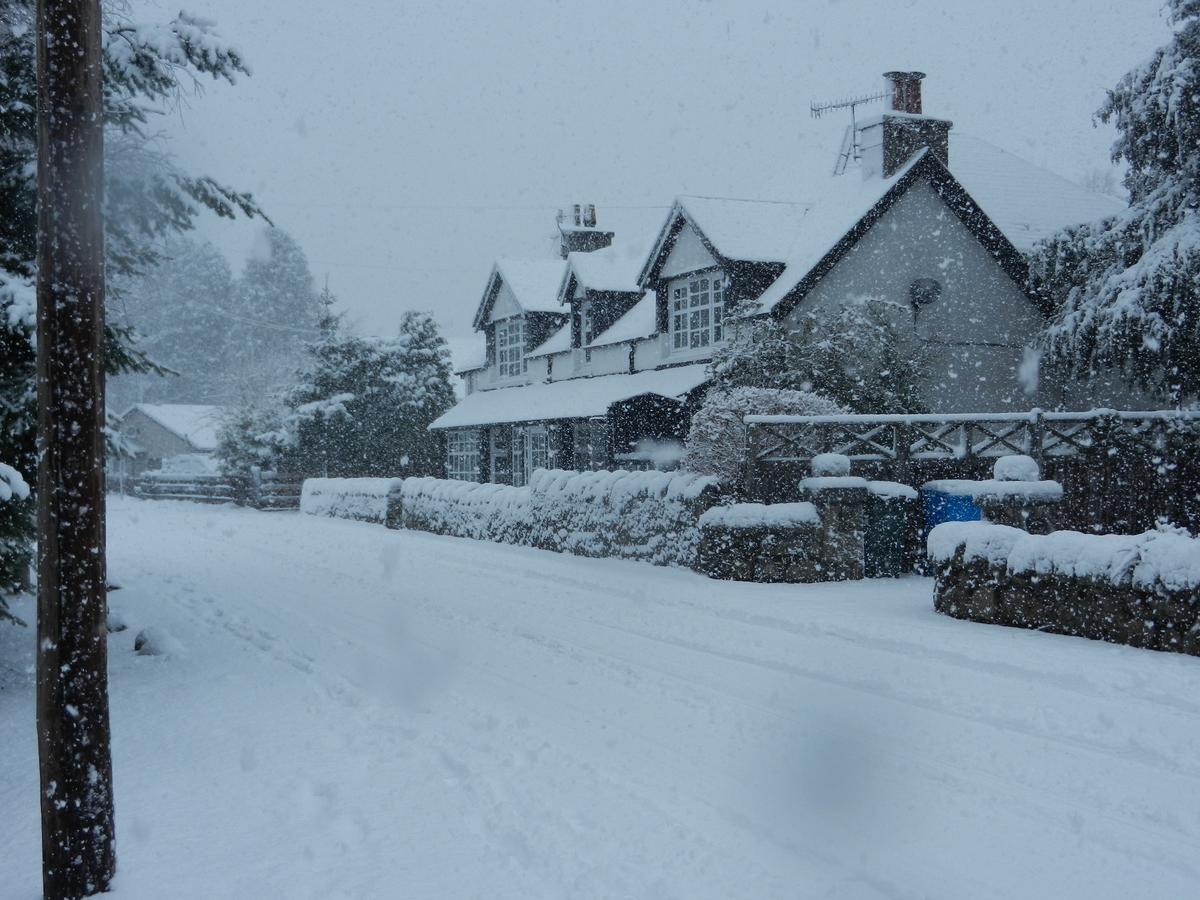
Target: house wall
[
  {"x": 687, "y": 255},
  {"x": 505, "y": 305},
  {"x": 608, "y": 360},
  {"x": 157, "y": 442},
  {"x": 979, "y": 327}
]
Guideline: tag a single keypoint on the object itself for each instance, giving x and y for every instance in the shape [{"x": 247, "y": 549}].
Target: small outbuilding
[{"x": 180, "y": 435}]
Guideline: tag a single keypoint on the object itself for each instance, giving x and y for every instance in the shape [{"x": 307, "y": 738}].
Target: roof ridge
[{"x": 746, "y": 199}]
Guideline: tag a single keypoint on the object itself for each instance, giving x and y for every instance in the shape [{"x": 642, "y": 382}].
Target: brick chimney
[
  {"x": 890, "y": 141},
  {"x": 578, "y": 233},
  {"x": 906, "y": 91}
]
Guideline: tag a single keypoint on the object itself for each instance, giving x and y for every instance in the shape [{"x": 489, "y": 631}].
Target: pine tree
[
  {"x": 1127, "y": 290},
  {"x": 147, "y": 197},
  {"x": 14, "y": 542},
  {"x": 180, "y": 310},
  {"x": 277, "y": 310},
  {"x": 252, "y": 437},
  {"x": 422, "y": 384},
  {"x": 363, "y": 405}
]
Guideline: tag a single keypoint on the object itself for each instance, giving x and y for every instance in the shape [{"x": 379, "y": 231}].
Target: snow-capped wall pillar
[{"x": 841, "y": 502}]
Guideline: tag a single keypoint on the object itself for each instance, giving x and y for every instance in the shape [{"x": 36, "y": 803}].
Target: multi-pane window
[
  {"x": 697, "y": 308},
  {"x": 510, "y": 347},
  {"x": 587, "y": 327},
  {"x": 462, "y": 455},
  {"x": 591, "y": 445},
  {"x": 530, "y": 450}
]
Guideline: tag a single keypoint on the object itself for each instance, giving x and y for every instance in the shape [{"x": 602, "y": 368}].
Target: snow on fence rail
[
  {"x": 1139, "y": 589},
  {"x": 1120, "y": 469},
  {"x": 265, "y": 490},
  {"x": 650, "y": 516}
]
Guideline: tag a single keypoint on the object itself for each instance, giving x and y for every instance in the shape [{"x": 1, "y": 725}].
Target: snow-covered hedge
[
  {"x": 364, "y": 499},
  {"x": 651, "y": 516},
  {"x": 485, "y": 512},
  {"x": 1140, "y": 589}
]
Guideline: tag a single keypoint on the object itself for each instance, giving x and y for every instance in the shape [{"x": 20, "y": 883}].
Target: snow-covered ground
[{"x": 358, "y": 712}]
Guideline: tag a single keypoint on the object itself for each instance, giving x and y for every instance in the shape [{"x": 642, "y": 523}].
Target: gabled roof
[
  {"x": 556, "y": 343},
  {"x": 1028, "y": 203},
  {"x": 638, "y": 322},
  {"x": 533, "y": 282},
  {"x": 852, "y": 206},
  {"x": 614, "y": 268},
  {"x": 748, "y": 230},
  {"x": 575, "y": 398},
  {"x": 193, "y": 423}
]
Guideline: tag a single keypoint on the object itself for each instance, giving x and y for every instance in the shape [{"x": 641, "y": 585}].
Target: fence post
[
  {"x": 903, "y": 438},
  {"x": 750, "y": 466},
  {"x": 1036, "y": 436}
]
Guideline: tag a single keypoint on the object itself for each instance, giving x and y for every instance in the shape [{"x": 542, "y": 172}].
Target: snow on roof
[
  {"x": 467, "y": 354},
  {"x": 570, "y": 399},
  {"x": 841, "y": 202},
  {"x": 612, "y": 268},
  {"x": 534, "y": 282},
  {"x": 194, "y": 423},
  {"x": 1028, "y": 203},
  {"x": 556, "y": 343},
  {"x": 638, "y": 322},
  {"x": 754, "y": 230},
  {"x": 473, "y": 364}
]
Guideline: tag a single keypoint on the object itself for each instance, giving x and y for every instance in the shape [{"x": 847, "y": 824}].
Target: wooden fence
[
  {"x": 1121, "y": 471},
  {"x": 268, "y": 490}
]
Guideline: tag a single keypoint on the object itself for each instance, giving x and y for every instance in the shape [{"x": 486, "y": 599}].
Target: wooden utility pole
[{"x": 78, "y": 856}]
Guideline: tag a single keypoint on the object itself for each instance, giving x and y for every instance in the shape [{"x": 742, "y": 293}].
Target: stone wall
[
  {"x": 1141, "y": 590},
  {"x": 759, "y": 542}
]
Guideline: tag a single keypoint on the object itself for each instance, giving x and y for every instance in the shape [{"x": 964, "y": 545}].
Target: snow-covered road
[{"x": 365, "y": 713}]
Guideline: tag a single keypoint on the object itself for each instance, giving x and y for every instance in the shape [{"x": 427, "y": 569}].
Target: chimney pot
[
  {"x": 906, "y": 91},
  {"x": 578, "y": 216},
  {"x": 589, "y": 215}
]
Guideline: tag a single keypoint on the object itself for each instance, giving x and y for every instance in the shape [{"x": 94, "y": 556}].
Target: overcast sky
[{"x": 407, "y": 144}]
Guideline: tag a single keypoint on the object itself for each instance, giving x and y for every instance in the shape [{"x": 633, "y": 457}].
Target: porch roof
[{"x": 574, "y": 398}]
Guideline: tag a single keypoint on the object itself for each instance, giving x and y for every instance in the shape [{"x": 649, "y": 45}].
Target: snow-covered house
[
  {"x": 168, "y": 434},
  {"x": 616, "y": 357}
]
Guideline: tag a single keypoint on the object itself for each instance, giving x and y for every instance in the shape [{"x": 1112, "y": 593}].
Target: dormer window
[
  {"x": 587, "y": 329},
  {"x": 697, "y": 308},
  {"x": 510, "y": 347}
]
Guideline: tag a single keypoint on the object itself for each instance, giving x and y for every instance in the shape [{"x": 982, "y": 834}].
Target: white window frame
[
  {"x": 587, "y": 329},
  {"x": 510, "y": 347},
  {"x": 696, "y": 310},
  {"x": 530, "y": 450},
  {"x": 587, "y": 324},
  {"x": 462, "y": 455}
]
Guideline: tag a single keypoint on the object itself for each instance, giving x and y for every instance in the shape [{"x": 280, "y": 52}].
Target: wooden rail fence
[
  {"x": 1120, "y": 470},
  {"x": 268, "y": 490}
]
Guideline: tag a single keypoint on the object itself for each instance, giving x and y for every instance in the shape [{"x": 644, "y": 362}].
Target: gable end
[{"x": 955, "y": 196}]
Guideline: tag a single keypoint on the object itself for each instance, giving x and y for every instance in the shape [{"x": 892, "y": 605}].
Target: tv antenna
[{"x": 850, "y": 147}]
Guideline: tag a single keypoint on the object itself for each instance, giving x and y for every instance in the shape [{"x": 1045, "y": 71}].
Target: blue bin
[{"x": 940, "y": 507}]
